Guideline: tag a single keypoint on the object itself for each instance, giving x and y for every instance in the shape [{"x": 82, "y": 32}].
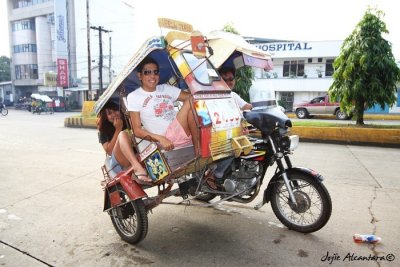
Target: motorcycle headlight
[{"x": 294, "y": 142}]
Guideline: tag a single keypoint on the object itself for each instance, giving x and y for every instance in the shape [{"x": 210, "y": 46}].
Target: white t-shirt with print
[{"x": 156, "y": 108}]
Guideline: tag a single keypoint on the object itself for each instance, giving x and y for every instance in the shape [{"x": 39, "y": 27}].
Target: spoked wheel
[
  {"x": 129, "y": 218},
  {"x": 4, "y": 111},
  {"x": 314, "y": 205}
]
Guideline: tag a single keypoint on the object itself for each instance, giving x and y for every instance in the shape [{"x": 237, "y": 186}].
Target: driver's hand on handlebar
[{"x": 166, "y": 143}]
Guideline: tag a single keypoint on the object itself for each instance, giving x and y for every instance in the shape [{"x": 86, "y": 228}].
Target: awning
[
  {"x": 77, "y": 89},
  {"x": 44, "y": 98}
]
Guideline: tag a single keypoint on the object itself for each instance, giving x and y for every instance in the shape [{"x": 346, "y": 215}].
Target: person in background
[
  {"x": 117, "y": 143},
  {"x": 214, "y": 177},
  {"x": 228, "y": 75}
]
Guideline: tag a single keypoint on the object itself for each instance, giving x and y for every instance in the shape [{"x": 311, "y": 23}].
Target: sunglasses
[
  {"x": 148, "y": 72},
  {"x": 231, "y": 79}
]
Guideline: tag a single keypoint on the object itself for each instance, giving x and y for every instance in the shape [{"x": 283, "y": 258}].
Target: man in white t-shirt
[{"x": 152, "y": 112}]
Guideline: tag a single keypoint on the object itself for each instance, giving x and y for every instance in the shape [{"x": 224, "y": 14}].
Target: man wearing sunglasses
[
  {"x": 228, "y": 75},
  {"x": 152, "y": 111}
]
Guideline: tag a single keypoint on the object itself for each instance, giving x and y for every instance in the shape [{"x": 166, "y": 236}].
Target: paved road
[{"x": 51, "y": 209}]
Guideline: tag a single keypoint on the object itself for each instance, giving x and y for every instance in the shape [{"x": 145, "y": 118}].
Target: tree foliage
[
  {"x": 5, "y": 74},
  {"x": 244, "y": 76},
  {"x": 365, "y": 71}
]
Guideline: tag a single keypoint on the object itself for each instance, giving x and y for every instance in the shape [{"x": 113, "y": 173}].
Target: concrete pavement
[{"x": 51, "y": 209}]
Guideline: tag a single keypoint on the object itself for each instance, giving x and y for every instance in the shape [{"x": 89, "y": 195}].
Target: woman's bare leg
[{"x": 126, "y": 157}]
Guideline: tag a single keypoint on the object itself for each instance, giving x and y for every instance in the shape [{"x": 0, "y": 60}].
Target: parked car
[{"x": 320, "y": 106}]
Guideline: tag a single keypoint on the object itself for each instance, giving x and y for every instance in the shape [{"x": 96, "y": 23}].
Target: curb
[
  {"x": 354, "y": 136},
  {"x": 80, "y": 122}
]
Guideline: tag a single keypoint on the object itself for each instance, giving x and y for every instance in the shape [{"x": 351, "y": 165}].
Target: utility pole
[
  {"x": 88, "y": 48},
  {"x": 109, "y": 62},
  {"x": 100, "y": 29}
]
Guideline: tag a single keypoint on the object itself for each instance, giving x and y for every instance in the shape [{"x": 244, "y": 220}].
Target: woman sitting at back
[{"x": 117, "y": 142}]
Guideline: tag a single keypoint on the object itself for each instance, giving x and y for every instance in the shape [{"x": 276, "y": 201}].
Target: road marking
[{"x": 14, "y": 217}]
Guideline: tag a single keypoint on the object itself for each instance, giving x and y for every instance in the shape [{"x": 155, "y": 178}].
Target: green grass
[{"x": 332, "y": 124}]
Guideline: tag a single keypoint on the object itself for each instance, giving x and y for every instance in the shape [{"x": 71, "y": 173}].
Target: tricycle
[{"x": 253, "y": 140}]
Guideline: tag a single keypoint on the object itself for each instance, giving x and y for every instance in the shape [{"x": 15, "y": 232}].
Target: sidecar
[{"x": 188, "y": 61}]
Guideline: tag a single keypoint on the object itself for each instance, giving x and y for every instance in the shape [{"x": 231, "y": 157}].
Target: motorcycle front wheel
[
  {"x": 129, "y": 218},
  {"x": 314, "y": 205},
  {"x": 4, "y": 112}
]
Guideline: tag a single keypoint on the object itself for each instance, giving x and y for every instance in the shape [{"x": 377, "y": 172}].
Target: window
[
  {"x": 25, "y": 48},
  {"x": 319, "y": 59},
  {"x": 293, "y": 68},
  {"x": 23, "y": 25},
  {"x": 26, "y": 71},
  {"x": 201, "y": 68},
  {"x": 309, "y": 60},
  {"x": 329, "y": 67},
  {"x": 25, "y": 3}
]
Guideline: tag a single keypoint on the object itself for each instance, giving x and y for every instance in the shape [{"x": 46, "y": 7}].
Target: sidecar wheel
[
  {"x": 130, "y": 218},
  {"x": 314, "y": 205}
]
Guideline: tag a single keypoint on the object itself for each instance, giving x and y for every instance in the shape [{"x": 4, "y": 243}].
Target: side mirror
[{"x": 198, "y": 44}]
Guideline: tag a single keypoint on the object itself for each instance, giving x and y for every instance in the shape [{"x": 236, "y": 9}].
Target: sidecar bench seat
[{"x": 177, "y": 157}]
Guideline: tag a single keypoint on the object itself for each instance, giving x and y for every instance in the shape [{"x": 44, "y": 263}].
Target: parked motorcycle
[{"x": 297, "y": 195}]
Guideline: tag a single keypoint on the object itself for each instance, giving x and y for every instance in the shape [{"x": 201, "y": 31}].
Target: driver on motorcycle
[{"x": 214, "y": 178}]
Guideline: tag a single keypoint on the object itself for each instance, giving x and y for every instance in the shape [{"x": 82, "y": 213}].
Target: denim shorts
[{"x": 114, "y": 165}]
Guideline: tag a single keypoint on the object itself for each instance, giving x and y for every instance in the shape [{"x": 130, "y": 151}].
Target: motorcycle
[
  {"x": 3, "y": 109},
  {"x": 250, "y": 144}
]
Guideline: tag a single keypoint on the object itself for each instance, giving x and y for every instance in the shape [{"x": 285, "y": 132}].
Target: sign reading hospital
[
  {"x": 62, "y": 70},
  {"x": 284, "y": 47}
]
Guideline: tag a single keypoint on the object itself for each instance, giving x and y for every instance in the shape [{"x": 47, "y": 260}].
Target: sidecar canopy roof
[{"x": 227, "y": 47}]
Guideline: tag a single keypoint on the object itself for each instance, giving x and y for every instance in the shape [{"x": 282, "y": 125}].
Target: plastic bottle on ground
[{"x": 358, "y": 238}]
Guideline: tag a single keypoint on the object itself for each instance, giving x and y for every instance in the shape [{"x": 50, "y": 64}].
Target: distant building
[
  {"x": 6, "y": 93},
  {"x": 302, "y": 70},
  {"x": 43, "y": 46}
]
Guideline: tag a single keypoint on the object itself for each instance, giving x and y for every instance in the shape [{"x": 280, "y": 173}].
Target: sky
[{"x": 133, "y": 21}]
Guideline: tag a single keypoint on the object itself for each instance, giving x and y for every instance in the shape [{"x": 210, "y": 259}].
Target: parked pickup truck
[{"x": 319, "y": 106}]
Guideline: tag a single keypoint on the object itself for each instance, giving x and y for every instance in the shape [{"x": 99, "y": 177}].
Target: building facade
[
  {"x": 42, "y": 45},
  {"x": 302, "y": 71}
]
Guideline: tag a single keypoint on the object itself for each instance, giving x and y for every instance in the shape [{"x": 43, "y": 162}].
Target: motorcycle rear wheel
[
  {"x": 129, "y": 218},
  {"x": 4, "y": 111},
  {"x": 314, "y": 205}
]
